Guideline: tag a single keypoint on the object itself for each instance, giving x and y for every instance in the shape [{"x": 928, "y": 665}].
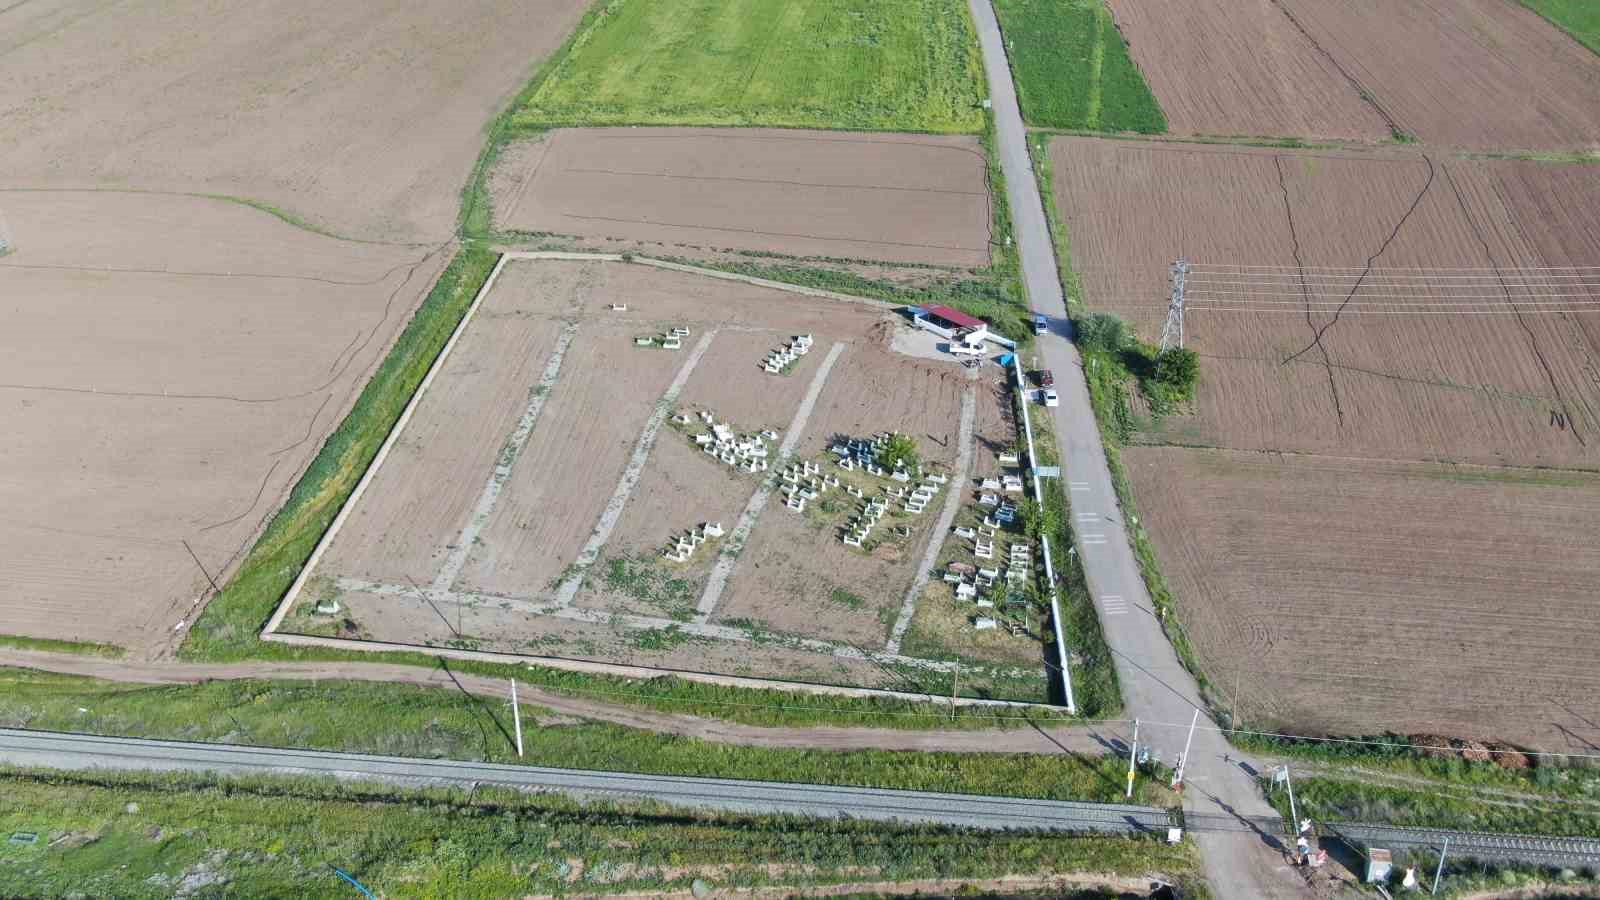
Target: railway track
[{"x": 1527, "y": 848}]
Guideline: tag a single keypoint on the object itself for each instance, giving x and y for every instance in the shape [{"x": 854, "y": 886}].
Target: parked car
[
  {"x": 1048, "y": 397},
  {"x": 1047, "y": 378},
  {"x": 1040, "y": 324}
]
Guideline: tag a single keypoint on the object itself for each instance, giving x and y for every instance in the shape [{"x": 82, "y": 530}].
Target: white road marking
[{"x": 1113, "y": 605}]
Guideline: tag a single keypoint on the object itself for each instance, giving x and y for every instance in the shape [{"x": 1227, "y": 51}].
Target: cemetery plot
[
  {"x": 568, "y": 490},
  {"x": 899, "y": 198}
]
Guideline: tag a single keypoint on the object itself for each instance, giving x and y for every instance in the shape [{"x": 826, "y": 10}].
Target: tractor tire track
[
  {"x": 1533, "y": 339},
  {"x": 1305, "y": 293},
  {"x": 1367, "y": 270}
]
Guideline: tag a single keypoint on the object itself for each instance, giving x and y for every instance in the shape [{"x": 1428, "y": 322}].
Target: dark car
[{"x": 1047, "y": 378}]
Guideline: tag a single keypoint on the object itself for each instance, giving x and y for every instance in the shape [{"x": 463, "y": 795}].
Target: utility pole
[
  {"x": 1294, "y": 816},
  {"x": 1133, "y": 754},
  {"x": 1172, "y": 332},
  {"x": 516, "y": 715},
  {"x": 1440, "y": 871},
  {"x": 955, "y": 682},
  {"x": 1183, "y": 761}
]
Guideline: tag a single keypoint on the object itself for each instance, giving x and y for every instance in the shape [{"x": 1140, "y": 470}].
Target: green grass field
[
  {"x": 131, "y": 836},
  {"x": 85, "y": 648},
  {"x": 1072, "y": 68},
  {"x": 436, "y": 723},
  {"x": 903, "y": 65},
  {"x": 1579, "y": 18}
]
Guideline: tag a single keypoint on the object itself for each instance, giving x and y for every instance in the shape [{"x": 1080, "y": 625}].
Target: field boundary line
[
  {"x": 399, "y": 592},
  {"x": 489, "y": 498},
  {"x": 947, "y": 518},
  {"x": 728, "y": 559},
  {"x": 631, "y": 475},
  {"x": 383, "y": 454}
]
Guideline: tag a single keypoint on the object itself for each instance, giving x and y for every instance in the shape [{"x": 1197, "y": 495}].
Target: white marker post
[
  {"x": 1133, "y": 754},
  {"x": 516, "y": 715},
  {"x": 1183, "y": 761}
]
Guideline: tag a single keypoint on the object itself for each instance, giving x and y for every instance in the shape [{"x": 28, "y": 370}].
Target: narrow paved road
[
  {"x": 81, "y": 752},
  {"x": 1155, "y": 686}
]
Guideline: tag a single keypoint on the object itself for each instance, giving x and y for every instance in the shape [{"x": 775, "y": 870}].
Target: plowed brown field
[
  {"x": 1360, "y": 597},
  {"x": 1484, "y": 74},
  {"x": 1409, "y": 361},
  {"x": 171, "y": 366},
  {"x": 363, "y": 117},
  {"x": 1240, "y": 67},
  {"x": 1364, "y": 311},
  {"x": 901, "y": 198}
]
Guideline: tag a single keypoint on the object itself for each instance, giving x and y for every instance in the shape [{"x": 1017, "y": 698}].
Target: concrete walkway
[{"x": 1155, "y": 686}]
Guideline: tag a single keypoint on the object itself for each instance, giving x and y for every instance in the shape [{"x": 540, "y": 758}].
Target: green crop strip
[
  {"x": 144, "y": 835},
  {"x": 901, "y": 65},
  {"x": 1579, "y": 18},
  {"x": 1073, "y": 70}
]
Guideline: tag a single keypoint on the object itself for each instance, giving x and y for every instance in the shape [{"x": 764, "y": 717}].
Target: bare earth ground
[
  {"x": 171, "y": 366},
  {"x": 1343, "y": 591},
  {"x": 901, "y": 198},
  {"x": 1240, "y": 67},
  {"x": 1358, "y": 597},
  {"x": 1484, "y": 74},
  {"x": 540, "y": 478},
  {"x": 1475, "y": 370},
  {"x": 794, "y": 563},
  {"x": 364, "y": 118}
]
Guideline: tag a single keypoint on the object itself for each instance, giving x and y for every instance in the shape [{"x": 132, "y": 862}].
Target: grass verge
[
  {"x": 1333, "y": 799},
  {"x": 887, "y": 65},
  {"x": 1579, "y": 18},
  {"x": 138, "y": 835},
  {"x": 228, "y": 627},
  {"x": 1073, "y": 70},
  {"x": 48, "y": 645},
  {"x": 1096, "y": 688},
  {"x": 439, "y": 723}
]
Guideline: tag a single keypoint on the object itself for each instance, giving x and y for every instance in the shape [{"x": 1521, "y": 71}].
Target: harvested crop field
[
  {"x": 899, "y": 198},
  {"x": 1310, "y": 595},
  {"x": 298, "y": 105},
  {"x": 172, "y": 365},
  {"x": 1475, "y": 336},
  {"x": 1240, "y": 67},
  {"x": 1482, "y": 74},
  {"x": 553, "y": 459}
]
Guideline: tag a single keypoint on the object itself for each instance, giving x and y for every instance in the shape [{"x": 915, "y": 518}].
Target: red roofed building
[{"x": 951, "y": 323}]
